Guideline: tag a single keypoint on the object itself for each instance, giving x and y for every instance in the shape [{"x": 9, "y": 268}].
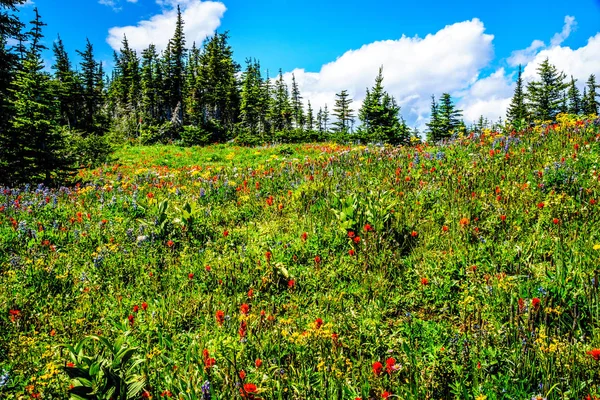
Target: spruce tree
[
  {"x": 449, "y": 116},
  {"x": 310, "y": 118},
  {"x": 92, "y": 79},
  {"x": 250, "y": 97},
  {"x": 177, "y": 56},
  {"x": 379, "y": 115},
  {"x": 297, "y": 106},
  {"x": 265, "y": 112},
  {"x": 434, "y": 133},
  {"x": 591, "y": 103},
  {"x": 574, "y": 98},
  {"x": 36, "y": 149},
  {"x": 545, "y": 96},
  {"x": 282, "y": 109},
  {"x": 67, "y": 87},
  {"x": 149, "y": 85},
  {"x": 343, "y": 113},
  {"x": 517, "y": 110}
]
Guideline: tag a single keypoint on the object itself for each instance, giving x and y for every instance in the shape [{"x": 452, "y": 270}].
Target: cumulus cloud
[
  {"x": 201, "y": 19},
  {"x": 450, "y": 60},
  {"x": 414, "y": 68}
]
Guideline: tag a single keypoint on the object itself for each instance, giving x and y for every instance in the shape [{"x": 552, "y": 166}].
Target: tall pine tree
[
  {"x": 591, "y": 104},
  {"x": 517, "y": 110},
  {"x": 343, "y": 113},
  {"x": 546, "y": 95}
]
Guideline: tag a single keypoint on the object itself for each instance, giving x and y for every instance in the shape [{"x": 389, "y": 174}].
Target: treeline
[{"x": 195, "y": 95}]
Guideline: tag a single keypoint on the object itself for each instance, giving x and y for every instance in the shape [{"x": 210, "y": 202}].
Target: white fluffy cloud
[
  {"x": 414, "y": 68},
  {"x": 450, "y": 60},
  {"x": 201, "y": 19}
]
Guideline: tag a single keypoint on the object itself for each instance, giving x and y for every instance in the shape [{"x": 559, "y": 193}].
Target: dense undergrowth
[{"x": 467, "y": 270}]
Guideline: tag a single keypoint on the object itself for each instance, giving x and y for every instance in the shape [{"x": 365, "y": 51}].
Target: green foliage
[
  {"x": 105, "y": 370},
  {"x": 343, "y": 114},
  {"x": 546, "y": 95}
]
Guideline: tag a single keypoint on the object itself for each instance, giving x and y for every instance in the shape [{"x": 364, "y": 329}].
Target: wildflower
[
  {"x": 317, "y": 259},
  {"x": 258, "y": 363},
  {"x": 503, "y": 217},
  {"x": 389, "y": 364},
  {"x": 146, "y": 394},
  {"x": 351, "y": 252},
  {"x": 14, "y": 314},
  {"x": 280, "y": 206},
  {"x": 270, "y": 200},
  {"x": 304, "y": 236},
  {"x": 351, "y": 234},
  {"x": 318, "y": 323},
  {"x": 243, "y": 329},
  {"x": 464, "y": 221},
  {"x": 242, "y": 374},
  {"x": 444, "y": 228},
  {"x": 70, "y": 365},
  {"x": 540, "y": 205},
  {"x": 268, "y": 255},
  {"x": 385, "y": 395},
  {"x": 377, "y": 368},
  {"x": 191, "y": 275},
  {"x": 356, "y": 240},
  {"x": 220, "y": 316},
  {"x": 136, "y": 308},
  {"x": 555, "y": 221},
  {"x": 535, "y": 303},
  {"x": 166, "y": 393},
  {"x": 144, "y": 305},
  {"x": 245, "y": 309},
  {"x": 424, "y": 281},
  {"x": 521, "y": 303},
  {"x": 207, "y": 268},
  {"x": 248, "y": 390},
  {"x": 225, "y": 233},
  {"x": 595, "y": 353},
  {"x": 414, "y": 234},
  {"x": 131, "y": 319},
  {"x": 291, "y": 283},
  {"x": 368, "y": 228},
  {"x": 170, "y": 243}
]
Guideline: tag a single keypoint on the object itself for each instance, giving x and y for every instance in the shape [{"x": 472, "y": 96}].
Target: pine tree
[
  {"x": 297, "y": 106},
  {"x": 67, "y": 87},
  {"x": 343, "y": 113},
  {"x": 325, "y": 118},
  {"x": 591, "y": 104},
  {"x": 178, "y": 51},
  {"x": 517, "y": 110},
  {"x": 379, "y": 115},
  {"x": 449, "y": 116},
  {"x": 219, "y": 86},
  {"x": 149, "y": 85},
  {"x": 434, "y": 133},
  {"x": 265, "y": 111},
  {"x": 250, "y": 98},
  {"x": 545, "y": 96},
  {"x": 282, "y": 109},
  {"x": 36, "y": 150},
  {"x": 10, "y": 28},
  {"x": 574, "y": 98},
  {"x": 92, "y": 80},
  {"x": 310, "y": 118}
]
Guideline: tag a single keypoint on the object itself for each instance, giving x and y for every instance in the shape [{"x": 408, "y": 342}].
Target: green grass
[{"x": 475, "y": 272}]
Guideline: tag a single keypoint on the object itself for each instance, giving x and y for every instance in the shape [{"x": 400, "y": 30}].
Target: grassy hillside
[{"x": 468, "y": 270}]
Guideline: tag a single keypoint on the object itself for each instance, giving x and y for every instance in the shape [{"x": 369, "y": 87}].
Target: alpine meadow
[{"x": 177, "y": 223}]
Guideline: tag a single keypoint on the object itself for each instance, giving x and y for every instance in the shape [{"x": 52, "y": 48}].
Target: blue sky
[{"x": 313, "y": 37}]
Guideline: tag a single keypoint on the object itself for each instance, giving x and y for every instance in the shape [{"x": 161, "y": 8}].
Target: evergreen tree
[
  {"x": 265, "y": 111},
  {"x": 176, "y": 58},
  {"x": 92, "y": 80},
  {"x": 297, "y": 106},
  {"x": 35, "y": 149},
  {"x": 10, "y": 28},
  {"x": 435, "y": 131},
  {"x": 310, "y": 118},
  {"x": 591, "y": 105},
  {"x": 379, "y": 115},
  {"x": 325, "y": 118},
  {"x": 282, "y": 109},
  {"x": 251, "y": 97},
  {"x": 574, "y": 98},
  {"x": 67, "y": 87},
  {"x": 449, "y": 116},
  {"x": 149, "y": 85},
  {"x": 545, "y": 96},
  {"x": 343, "y": 113},
  {"x": 220, "y": 88},
  {"x": 517, "y": 110}
]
